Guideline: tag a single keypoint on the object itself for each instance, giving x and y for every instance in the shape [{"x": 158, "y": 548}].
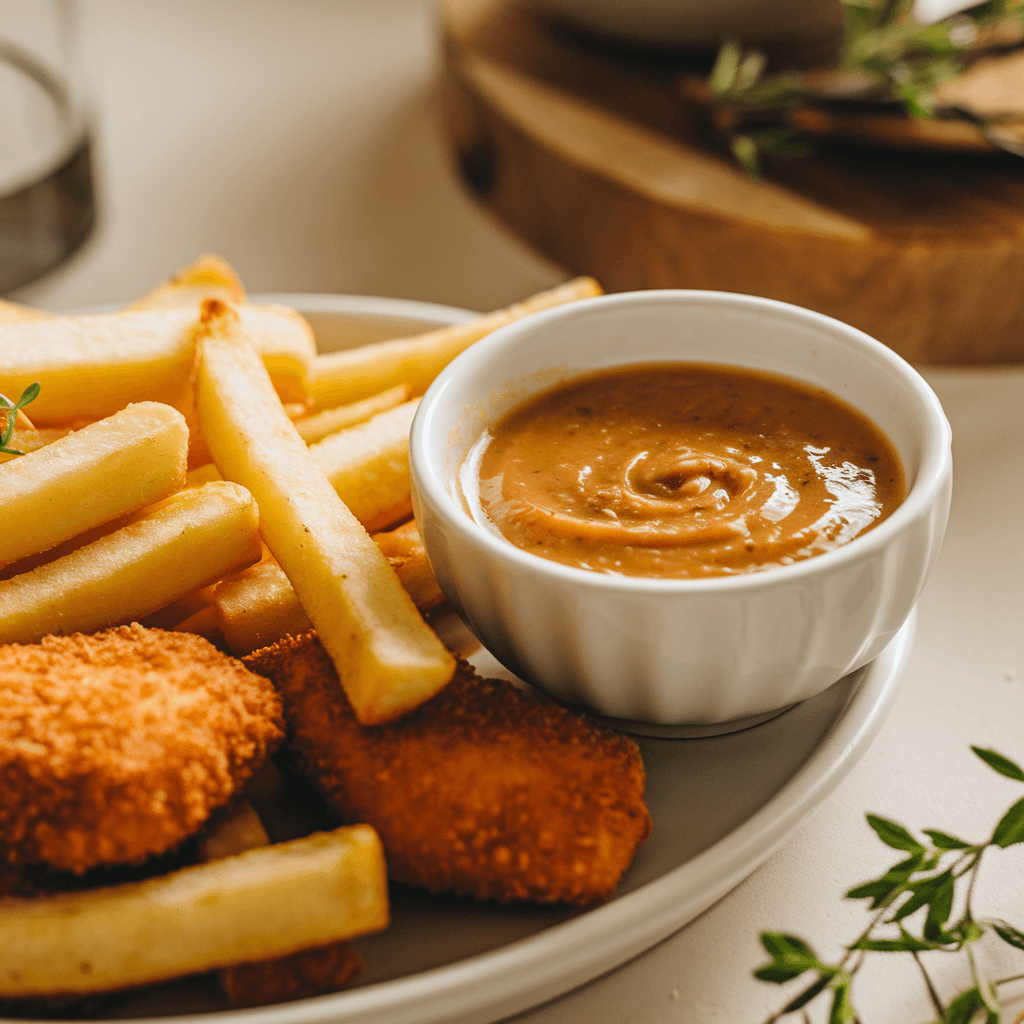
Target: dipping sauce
[{"x": 682, "y": 470}]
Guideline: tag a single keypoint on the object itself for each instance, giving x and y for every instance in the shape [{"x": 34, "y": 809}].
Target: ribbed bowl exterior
[{"x": 688, "y": 651}]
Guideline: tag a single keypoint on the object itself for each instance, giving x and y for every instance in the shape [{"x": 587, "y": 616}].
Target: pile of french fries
[{"x": 192, "y": 462}]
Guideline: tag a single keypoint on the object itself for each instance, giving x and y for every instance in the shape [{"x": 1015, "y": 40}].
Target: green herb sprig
[
  {"x": 886, "y": 57},
  {"x": 928, "y": 879},
  {"x": 9, "y": 410}
]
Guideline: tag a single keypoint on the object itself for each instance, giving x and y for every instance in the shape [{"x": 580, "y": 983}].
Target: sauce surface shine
[{"x": 682, "y": 470}]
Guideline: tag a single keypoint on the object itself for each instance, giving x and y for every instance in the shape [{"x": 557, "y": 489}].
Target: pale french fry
[
  {"x": 178, "y": 611},
  {"x": 208, "y": 277},
  {"x": 285, "y": 341},
  {"x": 185, "y": 542},
  {"x": 235, "y": 832},
  {"x": 31, "y": 439},
  {"x": 316, "y": 427},
  {"x": 202, "y": 475},
  {"x": 258, "y": 606},
  {"x": 388, "y": 658},
  {"x": 352, "y": 374},
  {"x": 205, "y": 623},
  {"x": 16, "y": 313},
  {"x": 368, "y": 465},
  {"x": 87, "y": 478},
  {"x": 404, "y": 550},
  {"x": 92, "y": 366},
  {"x": 267, "y": 902},
  {"x": 287, "y": 348},
  {"x": 307, "y": 973}
]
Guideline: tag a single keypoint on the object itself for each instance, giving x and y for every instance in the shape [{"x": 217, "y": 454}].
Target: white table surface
[{"x": 296, "y": 138}]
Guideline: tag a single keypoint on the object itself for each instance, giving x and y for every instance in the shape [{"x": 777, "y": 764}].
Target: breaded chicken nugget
[
  {"x": 117, "y": 746},
  {"x": 483, "y": 790}
]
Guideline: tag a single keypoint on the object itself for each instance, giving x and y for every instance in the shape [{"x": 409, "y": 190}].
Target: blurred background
[{"x": 295, "y": 139}]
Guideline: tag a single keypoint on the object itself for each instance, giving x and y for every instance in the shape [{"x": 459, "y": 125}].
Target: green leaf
[
  {"x": 882, "y": 889},
  {"x": 940, "y": 907},
  {"x": 966, "y": 1007},
  {"x": 1009, "y": 934},
  {"x": 30, "y": 394},
  {"x": 894, "y": 835},
  {"x": 1001, "y": 764},
  {"x": 723, "y": 74},
  {"x": 842, "y": 1009},
  {"x": 790, "y": 957},
  {"x": 944, "y": 841},
  {"x": 1010, "y": 829},
  {"x": 744, "y": 148},
  {"x": 922, "y": 892}
]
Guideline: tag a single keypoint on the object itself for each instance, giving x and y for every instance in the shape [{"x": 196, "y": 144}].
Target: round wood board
[{"x": 592, "y": 155}]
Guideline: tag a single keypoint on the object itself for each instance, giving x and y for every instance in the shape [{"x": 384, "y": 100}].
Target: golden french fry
[
  {"x": 257, "y": 607},
  {"x": 388, "y": 658},
  {"x": 353, "y": 374},
  {"x": 185, "y": 542},
  {"x": 92, "y": 366},
  {"x": 208, "y": 277},
  {"x": 404, "y": 550},
  {"x": 281, "y": 335},
  {"x": 204, "y": 474},
  {"x": 315, "y": 428},
  {"x": 307, "y": 973},
  {"x": 368, "y": 465},
  {"x": 235, "y": 832},
  {"x": 204, "y": 623},
  {"x": 87, "y": 478},
  {"x": 267, "y": 902},
  {"x": 31, "y": 439}
]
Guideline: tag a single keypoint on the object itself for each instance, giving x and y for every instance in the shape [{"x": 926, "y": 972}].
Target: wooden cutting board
[{"x": 593, "y": 156}]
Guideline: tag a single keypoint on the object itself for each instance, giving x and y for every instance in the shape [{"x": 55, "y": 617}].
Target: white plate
[{"x": 720, "y": 805}]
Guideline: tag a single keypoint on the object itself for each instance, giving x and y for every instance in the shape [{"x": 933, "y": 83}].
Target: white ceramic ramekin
[{"x": 681, "y": 651}]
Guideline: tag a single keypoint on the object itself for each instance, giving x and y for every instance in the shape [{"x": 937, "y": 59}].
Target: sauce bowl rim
[{"x": 934, "y": 468}]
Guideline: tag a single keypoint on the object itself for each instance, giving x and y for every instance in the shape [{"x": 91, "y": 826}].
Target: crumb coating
[
  {"x": 483, "y": 791},
  {"x": 117, "y": 746}
]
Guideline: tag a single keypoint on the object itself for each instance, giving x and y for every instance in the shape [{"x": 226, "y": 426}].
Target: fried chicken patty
[
  {"x": 117, "y": 746},
  {"x": 483, "y": 790}
]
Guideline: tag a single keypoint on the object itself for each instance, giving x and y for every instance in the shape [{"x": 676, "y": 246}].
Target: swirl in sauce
[{"x": 682, "y": 470}]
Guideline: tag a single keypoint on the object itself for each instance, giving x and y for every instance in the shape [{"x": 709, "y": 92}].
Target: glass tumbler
[{"x": 46, "y": 193}]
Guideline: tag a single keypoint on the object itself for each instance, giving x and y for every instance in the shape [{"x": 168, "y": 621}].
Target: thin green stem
[
  {"x": 970, "y": 888},
  {"x": 932, "y": 994}
]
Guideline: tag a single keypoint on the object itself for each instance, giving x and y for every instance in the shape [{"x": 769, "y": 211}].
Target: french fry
[
  {"x": 388, "y": 658},
  {"x": 352, "y": 374},
  {"x": 368, "y": 465},
  {"x": 184, "y": 542},
  {"x": 87, "y": 478},
  {"x": 281, "y": 335},
  {"x": 92, "y": 366},
  {"x": 318, "y": 426},
  {"x": 309, "y": 972},
  {"x": 31, "y": 439},
  {"x": 258, "y": 606},
  {"x": 208, "y": 277},
  {"x": 264, "y": 903},
  {"x": 404, "y": 550},
  {"x": 204, "y": 474}
]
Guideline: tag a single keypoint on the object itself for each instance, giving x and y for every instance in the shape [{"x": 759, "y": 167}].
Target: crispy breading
[
  {"x": 117, "y": 746},
  {"x": 311, "y": 972},
  {"x": 483, "y": 790}
]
